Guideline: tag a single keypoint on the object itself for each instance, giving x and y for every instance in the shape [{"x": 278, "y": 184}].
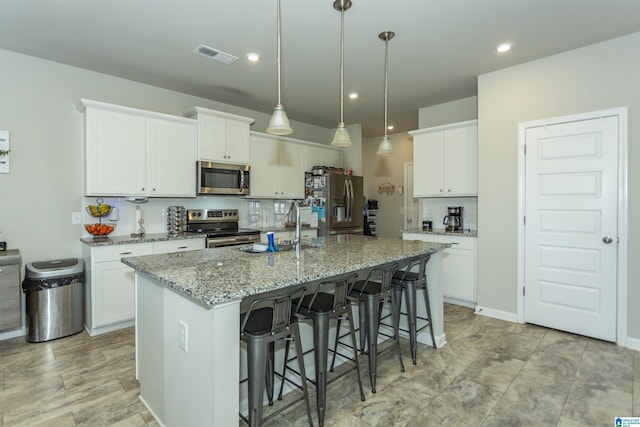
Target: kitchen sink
[{"x": 283, "y": 248}]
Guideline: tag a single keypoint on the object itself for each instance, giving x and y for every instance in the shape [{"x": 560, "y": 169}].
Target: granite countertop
[
  {"x": 147, "y": 238},
  {"x": 442, "y": 232},
  {"x": 213, "y": 276}
]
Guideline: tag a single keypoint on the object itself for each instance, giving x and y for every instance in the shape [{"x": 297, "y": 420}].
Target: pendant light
[
  {"x": 341, "y": 137},
  {"x": 279, "y": 123},
  {"x": 385, "y": 148}
]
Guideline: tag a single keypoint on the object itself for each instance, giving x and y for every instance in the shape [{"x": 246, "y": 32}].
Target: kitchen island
[{"x": 188, "y": 308}]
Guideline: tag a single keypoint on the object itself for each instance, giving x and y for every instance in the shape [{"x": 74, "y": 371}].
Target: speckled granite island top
[
  {"x": 212, "y": 276},
  {"x": 443, "y": 232},
  {"x": 147, "y": 238}
]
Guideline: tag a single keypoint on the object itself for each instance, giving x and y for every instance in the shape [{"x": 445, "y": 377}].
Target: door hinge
[
  {"x": 523, "y": 288},
  {"x": 525, "y": 149},
  {"x": 524, "y": 220}
]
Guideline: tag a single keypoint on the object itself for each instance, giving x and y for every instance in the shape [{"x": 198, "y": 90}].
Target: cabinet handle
[
  {"x": 182, "y": 247},
  {"x": 449, "y": 190},
  {"x": 142, "y": 188},
  {"x": 125, "y": 253},
  {"x": 441, "y": 190}
]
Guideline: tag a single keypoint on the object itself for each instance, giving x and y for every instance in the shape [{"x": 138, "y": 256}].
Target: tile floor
[{"x": 491, "y": 373}]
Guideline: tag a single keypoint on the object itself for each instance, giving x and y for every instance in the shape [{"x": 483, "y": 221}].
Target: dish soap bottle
[{"x": 271, "y": 246}]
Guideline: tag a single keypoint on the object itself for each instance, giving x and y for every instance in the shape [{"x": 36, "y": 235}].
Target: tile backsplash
[{"x": 435, "y": 209}]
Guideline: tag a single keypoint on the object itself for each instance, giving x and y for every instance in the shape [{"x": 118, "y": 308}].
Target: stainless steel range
[{"x": 220, "y": 226}]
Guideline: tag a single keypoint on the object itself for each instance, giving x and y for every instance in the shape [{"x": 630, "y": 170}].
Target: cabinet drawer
[
  {"x": 178, "y": 246},
  {"x": 116, "y": 252},
  {"x": 458, "y": 242}
]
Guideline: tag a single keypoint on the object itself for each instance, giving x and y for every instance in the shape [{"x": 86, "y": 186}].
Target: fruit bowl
[
  {"x": 99, "y": 230},
  {"x": 100, "y": 210}
]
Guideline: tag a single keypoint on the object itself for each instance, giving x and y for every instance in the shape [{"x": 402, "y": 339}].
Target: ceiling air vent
[{"x": 217, "y": 55}]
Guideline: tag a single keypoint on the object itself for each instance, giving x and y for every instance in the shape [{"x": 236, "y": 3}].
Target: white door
[
  {"x": 412, "y": 215},
  {"x": 571, "y": 226}
]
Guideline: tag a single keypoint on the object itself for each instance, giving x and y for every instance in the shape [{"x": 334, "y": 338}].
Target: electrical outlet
[
  {"x": 76, "y": 218},
  {"x": 183, "y": 336}
]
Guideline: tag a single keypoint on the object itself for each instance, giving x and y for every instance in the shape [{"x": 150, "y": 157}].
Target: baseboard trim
[
  {"x": 13, "y": 334},
  {"x": 497, "y": 314},
  {"x": 633, "y": 343}
]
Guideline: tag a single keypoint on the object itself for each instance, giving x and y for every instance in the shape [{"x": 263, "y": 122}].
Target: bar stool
[
  {"x": 370, "y": 294},
  {"x": 410, "y": 282},
  {"x": 328, "y": 302},
  {"x": 267, "y": 320}
]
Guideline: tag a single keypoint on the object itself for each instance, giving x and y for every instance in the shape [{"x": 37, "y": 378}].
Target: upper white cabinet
[
  {"x": 132, "y": 152},
  {"x": 321, "y": 156},
  {"x": 445, "y": 160},
  {"x": 222, "y": 137},
  {"x": 276, "y": 167}
]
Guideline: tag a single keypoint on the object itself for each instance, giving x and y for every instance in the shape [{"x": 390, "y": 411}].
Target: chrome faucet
[{"x": 297, "y": 241}]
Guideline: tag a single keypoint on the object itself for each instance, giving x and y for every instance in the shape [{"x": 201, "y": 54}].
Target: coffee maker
[{"x": 453, "y": 221}]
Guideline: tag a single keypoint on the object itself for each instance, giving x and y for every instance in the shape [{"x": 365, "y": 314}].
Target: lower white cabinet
[
  {"x": 458, "y": 266},
  {"x": 109, "y": 288}
]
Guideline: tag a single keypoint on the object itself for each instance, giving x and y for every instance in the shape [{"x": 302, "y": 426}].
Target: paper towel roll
[{"x": 138, "y": 218}]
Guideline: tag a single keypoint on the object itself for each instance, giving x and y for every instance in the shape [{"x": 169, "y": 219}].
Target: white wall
[
  {"x": 597, "y": 77},
  {"x": 456, "y": 111},
  {"x": 38, "y": 105},
  {"x": 380, "y": 169}
]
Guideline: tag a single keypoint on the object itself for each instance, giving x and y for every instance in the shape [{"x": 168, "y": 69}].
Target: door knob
[{"x": 607, "y": 239}]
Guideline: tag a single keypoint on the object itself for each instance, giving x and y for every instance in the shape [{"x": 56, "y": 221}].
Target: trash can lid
[{"x": 54, "y": 268}]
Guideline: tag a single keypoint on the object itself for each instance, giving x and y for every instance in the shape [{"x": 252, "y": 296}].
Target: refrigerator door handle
[{"x": 351, "y": 200}]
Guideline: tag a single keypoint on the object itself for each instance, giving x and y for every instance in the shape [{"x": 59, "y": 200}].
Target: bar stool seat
[
  {"x": 370, "y": 294},
  {"x": 267, "y": 320},
  {"x": 328, "y": 302},
  {"x": 408, "y": 282}
]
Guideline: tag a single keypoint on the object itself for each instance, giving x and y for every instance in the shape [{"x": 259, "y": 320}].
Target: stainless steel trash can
[{"x": 54, "y": 298}]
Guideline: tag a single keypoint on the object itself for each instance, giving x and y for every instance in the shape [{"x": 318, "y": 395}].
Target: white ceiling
[{"x": 439, "y": 49}]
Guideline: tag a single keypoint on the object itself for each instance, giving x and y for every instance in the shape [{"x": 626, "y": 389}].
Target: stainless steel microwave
[{"x": 223, "y": 179}]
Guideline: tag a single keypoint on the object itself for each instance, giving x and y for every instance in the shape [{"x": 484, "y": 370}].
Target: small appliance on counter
[
  {"x": 453, "y": 221},
  {"x": 176, "y": 219}
]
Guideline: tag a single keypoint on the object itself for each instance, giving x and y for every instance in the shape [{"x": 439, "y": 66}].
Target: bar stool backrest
[
  {"x": 380, "y": 276},
  {"x": 421, "y": 263},
  {"x": 341, "y": 287},
  {"x": 280, "y": 305}
]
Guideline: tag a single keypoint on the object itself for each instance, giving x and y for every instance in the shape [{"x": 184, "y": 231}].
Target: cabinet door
[
  {"x": 428, "y": 165},
  {"x": 172, "y": 158},
  {"x": 212, "y": 134},
  {"x": 237, "y": 144},
  {"x": 10, "y": 311},
  {"x": 115, "y": 153},
  {"x": 264, "y": 167},
  {"x": 290, "y": 173},
  {"x": 462, "y": 161},
  {"x": 113, "y": 293},
  {"x": 458, "y": 274}
]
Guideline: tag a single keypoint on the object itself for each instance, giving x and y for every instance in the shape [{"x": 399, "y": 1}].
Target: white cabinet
[
  {"x": 109, "y": 288},
  {"x": 321, "y": 156},
  {"x": 458, "y": 266},
  {"x": 445, "y": 160},
  {"x": 276, "y": 168},
  {"x": 222, "y": 137},
  {"x": 132, "y": 152}
]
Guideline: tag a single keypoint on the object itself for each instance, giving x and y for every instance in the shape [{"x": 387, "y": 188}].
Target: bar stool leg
[
  {"x": 396, "y": 326},
  {"x": 428, "y": 308},
  {"x": 410, "y": 298},
  {"x": 256, "y": 368},
  {"x": 364, "y": 325},
  {"x": 270, "y": 371},
  {"x": 355, "y": 350},
  {"x": 303, "y": 376},
  {"x": 371, "y": 322},
  {"x": 397, "y": 290},
  {"x": 320, "y": 345}
]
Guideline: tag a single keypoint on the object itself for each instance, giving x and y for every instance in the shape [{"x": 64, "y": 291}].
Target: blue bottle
[{"x": 271, "y": 246}]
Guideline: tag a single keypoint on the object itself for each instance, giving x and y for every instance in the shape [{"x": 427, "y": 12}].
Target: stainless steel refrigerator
[{"x": 342, "y": 197}]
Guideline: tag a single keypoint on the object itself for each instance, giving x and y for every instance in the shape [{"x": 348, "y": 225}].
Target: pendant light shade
[
  {"x": 385, "y": 148},
  {"x": 279, "y": 123},
  {"x": 341, "y": 137}
]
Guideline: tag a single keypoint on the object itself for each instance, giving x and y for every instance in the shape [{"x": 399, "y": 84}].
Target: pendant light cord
[
  {"x": 342, "y": 63},
  {"x": 278, "y": 55},
  {"x": 386, "y": 66}
]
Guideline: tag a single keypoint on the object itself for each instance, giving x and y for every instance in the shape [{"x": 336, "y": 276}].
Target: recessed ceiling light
[
  {"x": 353, "y": 95},
  {"x": 503, "y": 47},
  {"x": 253, "y": 57}
]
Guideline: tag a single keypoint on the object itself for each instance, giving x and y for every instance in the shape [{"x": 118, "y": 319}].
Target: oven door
[
  {"x": 223, "y": 179},
  {"x": 218, "y": 242}
]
